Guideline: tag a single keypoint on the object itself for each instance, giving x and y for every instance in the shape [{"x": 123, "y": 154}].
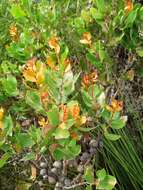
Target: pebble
[
  {"x": 43, "y": 172},
  {"x": 93, "y": 143},
  {"x": 54, "y": 170},
  {"x": 43, "y": 165},
  {"x": 85, "y": 156},
  {"x": 58, "y": 184},
  {"x": 45, "y": 177},
  {"x": 51, "y": 180},
  {"x": 67, "y": 182},
  {"x": 57, "y": 164}
]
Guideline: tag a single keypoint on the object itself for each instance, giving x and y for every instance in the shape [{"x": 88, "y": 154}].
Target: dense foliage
[{"x": 65, "y": 66}]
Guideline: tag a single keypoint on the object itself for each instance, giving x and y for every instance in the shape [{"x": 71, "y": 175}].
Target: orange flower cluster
[
  {"x": 33, "y": 73},
  {"x": 74, "y": 111},
  {"x": 115, "y": 106},
  {"x": 13, "y": 32},
  {"x": 128, "y": 5},
  {"x": 86, "y": 38},
  {"x": 89, "y": 79},
  {"x": 54, "y": 44}
]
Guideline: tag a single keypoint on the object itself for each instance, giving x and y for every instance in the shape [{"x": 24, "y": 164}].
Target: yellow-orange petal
[
  {"x": 53, "y": 43},
  {"x": 86, "y": 38},
  {"x": 62, "y": 126},
  {"x": 128, "y": 6},
  {"x": 1, "y": 113},
  {"x": 50, "y": 63},
  {"x": 29, "y": 75}
]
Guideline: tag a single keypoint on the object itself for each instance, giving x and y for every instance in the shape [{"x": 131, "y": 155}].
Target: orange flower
[
  {"x": 115, "y": 106},
  {"x": 13, "y": 32},
  {"x": 53, "y": 43},
  {"x": 128, "y": 5},
  {"x": 86, "y": 80},
  {"x": 29, "y": 71},
  {"x": 86, "y": 38},
  {"x": 75, "y": 111},
  {"x": 33, "y": 72}
]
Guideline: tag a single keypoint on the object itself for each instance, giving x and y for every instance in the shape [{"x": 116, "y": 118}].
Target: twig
[
  {"x": 76, "y": 185},
  {"x": 35, "y": 165}
]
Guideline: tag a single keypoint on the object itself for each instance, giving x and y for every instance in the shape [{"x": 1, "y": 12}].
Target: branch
[{"x": 76, "y": 185}]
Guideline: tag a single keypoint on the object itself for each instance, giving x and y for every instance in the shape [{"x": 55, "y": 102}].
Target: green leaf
[
  {"x": 94, "y": 91},
  {"x": 100, "y": 5},
  {"x": 10, "y": 86},
  {"x": 52, "y": 83},
  {"x": 85, "y": 15},
  {"x": 34, "y": 101},
  {"x": 24, "y": 140},
  {"x": 61, "y": 133},
  {"x": 69, "y": 151},
  {"x": 8, "y": 125},
  {"x": 107, "y": 183},
  {"x": 35, "y": 133},
  {"x": 112, "y": 137},
  {"x": 72, "y": 151},
  {"x": 141, "y": 13},
  {"x": 101, "y": 99},
  {"x": 96, "y": 14},
  {"x": 4, "y": 159},
  {"x": 17, "y": 11},
  {"x": 58, "y": 154},
  {"x": 117, "y": 124},
  {"x": 101, "y": 174},
  {"x": 102, "y": 53},
  {"x": 89, "y": 174},
  {"x": 94, "y": 61},
  {"x": 106, "y": 114},
  {"x": 70, "y": 123},
  {"x": 79, "y": 22},
  {"x": 88, "y": 187},
  {"x": 29, "y": 156},
  {"x": 86, "y": 98},
  {"x": 64, "y": 55},
  {"x": 131, "y": 18},
  {"x": 139, "y": 51},
  {"x": 53, "y": 116}
]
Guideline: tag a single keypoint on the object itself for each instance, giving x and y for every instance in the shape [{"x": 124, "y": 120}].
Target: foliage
[{"x": 56, "y": 72}]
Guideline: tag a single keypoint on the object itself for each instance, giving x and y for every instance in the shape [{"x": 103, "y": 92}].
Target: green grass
[{"x": 123, "y": 160}]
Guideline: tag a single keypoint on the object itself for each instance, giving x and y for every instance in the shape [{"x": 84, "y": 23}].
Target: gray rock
[
  {"x": 57, "y": 164},
  {"x": 43, "y": 172},
  {"x": 51, "y": 180},
  {"x": 43, "y": 165}
]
